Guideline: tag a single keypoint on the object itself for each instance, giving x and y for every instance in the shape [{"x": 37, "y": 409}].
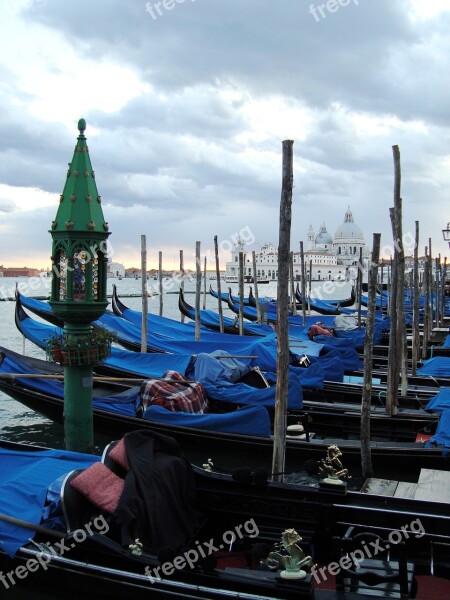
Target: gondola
[
  {"x": 238, "y": 433},
  {"x": 205, "y": 534},
  {"x": 316, "y": 387},
  {"x": 340, "y": 303},
  {"x": 322, "y": 307},
  {"x": 224, "y": 296},
  {"x": 85, "y": 523},
  {"x": 211, "y": 320},
  {"x": 269, "y": 312},
  {"x": 344, "y": 389}
]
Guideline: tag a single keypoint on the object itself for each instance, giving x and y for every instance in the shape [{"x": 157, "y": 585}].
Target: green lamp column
[{"x": 78, "y": 294}]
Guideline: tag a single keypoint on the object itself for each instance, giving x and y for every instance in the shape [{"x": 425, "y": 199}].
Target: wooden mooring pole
[
  {"x": 366, "y": 458},
  {"x": 284, "y": 243},
  {"x": 219, "y": 286},
  {"x": 144, "y": 294}
]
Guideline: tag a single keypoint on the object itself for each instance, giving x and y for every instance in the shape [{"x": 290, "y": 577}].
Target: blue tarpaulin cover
[
  {"x": 332, "y": 365},
  {"x": 446, "y": 342},
  {"x": 220, "y": 378},
  {"x": 442, "y": 435},
  {"x": 249, "y": 420},
  {"x": 439, "y": 366},
  {"x": 123, "y": 403},
  {"x": 24, "y": 479},
  {"x": 439, "y": 402}
]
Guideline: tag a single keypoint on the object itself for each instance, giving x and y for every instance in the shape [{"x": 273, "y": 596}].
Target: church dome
[
  {"x": 348, "y": 231},
  {"x": 323, "y": 238}
]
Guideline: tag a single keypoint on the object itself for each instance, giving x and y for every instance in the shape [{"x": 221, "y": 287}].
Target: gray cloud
[{"x": 173, "y": 160}]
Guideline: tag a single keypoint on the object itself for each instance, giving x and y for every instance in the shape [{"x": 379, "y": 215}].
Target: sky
[{"x": 187, "y": 103}]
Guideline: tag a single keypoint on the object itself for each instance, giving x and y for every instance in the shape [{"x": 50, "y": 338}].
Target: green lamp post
[{"x": 78, "y": 294}]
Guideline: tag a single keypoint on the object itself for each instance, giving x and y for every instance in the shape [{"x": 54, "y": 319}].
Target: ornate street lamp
[
  {"x": 446, "y": 234},
  {"x": 78, "y": 294}
]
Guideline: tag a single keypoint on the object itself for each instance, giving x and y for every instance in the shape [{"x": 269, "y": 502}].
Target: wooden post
[
  {"x": 393, "y": 366},
  {"x": 182, "y": 279},
  {"x": 255, "y": 284},
  {"x": 279, "y": 447},
  {"x": 219, "y": 286},
  {"x": 310, "y": 285},
  {"x": 366, "y": 458},
  {"x": 401, "y": 329},
  {"x": 291, "y": 269},
  {"x": 358, "y": 290},
  {"x": 426, "y": 313},
  {"x": 430, "y": 284},
  {"x": 144, "y": 324},
  {"x": 198, "y": 287},
  {"x": 204, "y": 286},
  {"x": 416, "y": 306},
  {"x": 241, "y": 293},
  {"x": 303, "y": 287},
  {"x": 160, "y": 285},
  {"x": 443, "y": 279},
  {"x": 436, "y": 290}
]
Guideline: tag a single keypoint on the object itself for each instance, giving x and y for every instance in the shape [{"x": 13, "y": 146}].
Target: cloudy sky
[{"x": 187, "y": 103}]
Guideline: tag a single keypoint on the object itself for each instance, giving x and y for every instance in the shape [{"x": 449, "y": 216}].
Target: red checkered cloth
[{"x": 176, "y": 393}]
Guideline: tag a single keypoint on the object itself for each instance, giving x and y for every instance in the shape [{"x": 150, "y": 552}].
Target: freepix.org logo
[
  {"x": 356, "y": 557},
  {"x": 53, "y": 550},
  {"x": 202, "y": 550}
]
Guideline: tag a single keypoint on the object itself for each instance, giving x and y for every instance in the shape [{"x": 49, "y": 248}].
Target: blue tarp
[
  {"x": 207, "y": 368},
  {"x": 442, "y": 435},
  {"x": 332, "y": 365},
  {"x": 242, "y": 394},
  {"x": 439, "y": 402},
  {"x": 24, "y": 479},
  {"x": 249, "y": 420},
  {"x": 439, "y": 366},
  {"x": 313, "y": 377},
  {"x": 124, "y": 403},
  {"x": 220, "y": 378},
  {"x": 138, "y": 363},
  {"x": 348, "y": 356}
]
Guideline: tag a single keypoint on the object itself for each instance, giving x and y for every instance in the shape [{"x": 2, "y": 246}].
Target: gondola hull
[{"x": 389, "y": 458}]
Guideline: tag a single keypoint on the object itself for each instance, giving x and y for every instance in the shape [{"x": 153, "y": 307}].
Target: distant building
[
  {"x": 19, "y": 272},
  {"x": 116, "y": 269},
  {"x": 328, "y": 258},
  {"x": 133, "y": 272}
]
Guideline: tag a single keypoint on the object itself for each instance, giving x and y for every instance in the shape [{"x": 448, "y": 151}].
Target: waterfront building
[
  {"x": 326, "y": 258},
  {"x": 19, "y": 272}
]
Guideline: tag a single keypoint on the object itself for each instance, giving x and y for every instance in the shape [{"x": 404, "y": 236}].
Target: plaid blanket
[{"x": 174, "y": 392}]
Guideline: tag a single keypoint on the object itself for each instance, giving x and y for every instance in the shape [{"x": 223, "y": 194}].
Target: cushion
[
  {"x": 100, "y": 485},
  {"x": 119, "y": 455}
]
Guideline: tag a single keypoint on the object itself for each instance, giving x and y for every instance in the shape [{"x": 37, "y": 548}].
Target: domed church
[
  {"x": 348, "y": 240},
  {"x": 345, "y": 245},
  {"x": 328, "y": 258}
]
